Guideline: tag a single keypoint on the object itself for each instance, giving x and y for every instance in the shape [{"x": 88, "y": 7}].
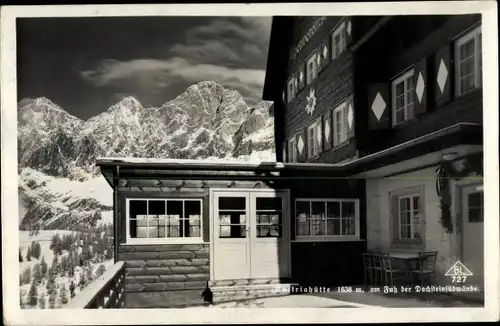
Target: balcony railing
[{"x": 107, "y": 292}]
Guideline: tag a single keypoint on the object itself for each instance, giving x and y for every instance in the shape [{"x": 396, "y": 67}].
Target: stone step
[{"x": 254, "y": 291}]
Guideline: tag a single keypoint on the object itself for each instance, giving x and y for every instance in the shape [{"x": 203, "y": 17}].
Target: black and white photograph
[{"x": 218, "y": 159}]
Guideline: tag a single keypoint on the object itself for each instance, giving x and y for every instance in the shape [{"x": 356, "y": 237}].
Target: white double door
[
  {"x": 473, "y": 233},
  {"x": 250, "y": 234}
]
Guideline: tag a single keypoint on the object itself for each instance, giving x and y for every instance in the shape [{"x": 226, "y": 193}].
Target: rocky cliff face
[
  {"x": 205, "y": 121},
  {"x": 57, "y": 151}
]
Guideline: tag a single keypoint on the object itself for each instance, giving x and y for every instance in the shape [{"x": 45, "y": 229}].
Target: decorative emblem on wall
[
  {"x": 311, "y": 102},
  {"x": 350, "y": 116},
  {"x": 301, "y": 77},
  {"x": 300, "y": 145},
  {"x": 420, "y": 87},
  {"x": 378, "y": 106},
  {"x": 442, "y": 76},
  {"x": 325, "y": 51},
  {"x": 327, "y": 130},
  {"x": 306, "y": 37},
  {"x": 318, "y": 59},
  {"x": 349, "y": 27}
]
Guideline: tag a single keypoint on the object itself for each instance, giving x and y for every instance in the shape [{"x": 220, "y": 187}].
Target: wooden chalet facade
[
  {"x": 378, "y": 127},
  {"x": 405, "y": 90}
]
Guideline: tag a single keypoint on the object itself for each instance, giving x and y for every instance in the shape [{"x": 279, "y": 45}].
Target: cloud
[
  {"x": 229, "y": 50},
  {"x": 155, "y": 75},
  {"x": 229, "y": 41}
]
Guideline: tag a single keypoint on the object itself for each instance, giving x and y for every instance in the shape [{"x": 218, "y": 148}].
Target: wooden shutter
[
  {"x": 350, "y": 117},
  {"x": 379, "y": 106},
  {"x": 443, "y": 73},
  {"x": 327, "y": 131},
  {"x": 301, "y": 143},
  {"x": 284, "y": 151},
  {"x": 324, "y": 53},
  {"x": 348, "y": 31},
  {"x": 420, "y": 83}
]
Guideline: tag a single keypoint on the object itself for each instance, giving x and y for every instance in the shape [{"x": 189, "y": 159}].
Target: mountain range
[{"x": 57, "y": 151}]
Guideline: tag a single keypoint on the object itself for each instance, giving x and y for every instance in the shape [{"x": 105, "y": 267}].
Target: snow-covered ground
[{"x": 44, "y": 238}]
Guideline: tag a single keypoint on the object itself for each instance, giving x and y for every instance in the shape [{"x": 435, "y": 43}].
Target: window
[
  {"x": 326, "y": 218},
  {"x": 162, "y": 220},
  {"x": 340, "y": 124},
  {"x": 403, "y": 98},
  {"x": 338, "y": 41},
  {"x": 291, "y": 90},
  {"x": 475, "y": 206},
  {"x": 269, "y": 211},
  {"x": 314, "y": 139},
  {"x": 311, "y": 68},
  {"x": 409, "y": 216},
  {"x": 292, "y": 149},
  {"x": 469, "y": 61},
  {"x": 232, "y": 217}
]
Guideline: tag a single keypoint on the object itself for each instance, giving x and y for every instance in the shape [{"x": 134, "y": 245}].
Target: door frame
[{"x": 287, "y": 232}]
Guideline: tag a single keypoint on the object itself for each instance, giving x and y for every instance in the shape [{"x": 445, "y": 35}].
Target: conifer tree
[
  {"x": 63, "y": 295},
  {"x": 33, "y": 294},
  {"x": 72, "y": 289},
  {"x": 83, "y": 281},
  {"x": 55, "y": 265},
  {"x": 42, "y": 301},
  {"x": 37, "y": 274},
  {"x": 43, "y": 266},
  {"x": 28, "y": 253},
  {"x": 52, "y": 299},
  {"x": 51, "y": 283},
  {"x": 20, "y": 256},
  {"x": 26, "y": 276}
]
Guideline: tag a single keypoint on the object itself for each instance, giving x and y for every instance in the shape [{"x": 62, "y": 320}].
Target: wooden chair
[
  {"x": 389, "y": 272},
  {"x": 376, "y": 258},
  {"x": 426, "y": 266},
  {"x": 367, "y": 264}
]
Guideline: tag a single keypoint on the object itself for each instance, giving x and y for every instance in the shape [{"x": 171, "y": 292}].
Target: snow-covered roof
[{"x": 211, "y": 161}]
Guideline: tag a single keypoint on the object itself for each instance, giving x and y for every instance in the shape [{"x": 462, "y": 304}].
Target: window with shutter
[
  {"x": 379, "y": 106},
  {"x": 403, "y": 98},
  {"x": 314, "y": 139},
  {"x": 338, "y": 40},
  {"x": 468, "y": 54},
  {"x": 292, "y": 149},
  {"x": 340, "y": 124},
  {"x": 311, "y": 68},
  {"x": 291, "y": 90}
]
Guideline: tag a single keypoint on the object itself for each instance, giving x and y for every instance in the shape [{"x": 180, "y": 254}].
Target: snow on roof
[{"x": 210, "y": 161}]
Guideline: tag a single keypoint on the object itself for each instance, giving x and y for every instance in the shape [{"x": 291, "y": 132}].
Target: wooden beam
[{"x": 116, "y": 218}]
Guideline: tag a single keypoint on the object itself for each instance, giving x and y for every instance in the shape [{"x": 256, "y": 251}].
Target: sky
[{"x": 85, "y": 65}]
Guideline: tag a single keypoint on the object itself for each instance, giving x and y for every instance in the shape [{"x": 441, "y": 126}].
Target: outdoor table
[{"x": 409, "y": 259}]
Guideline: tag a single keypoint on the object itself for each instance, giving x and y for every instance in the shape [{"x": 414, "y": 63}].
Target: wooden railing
[{"x": 107, "y": 292}]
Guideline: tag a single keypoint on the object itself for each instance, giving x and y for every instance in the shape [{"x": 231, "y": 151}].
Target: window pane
[
  {"x": 474, "y": 199},
  {"x": 138, "y": 207},
  {"x": 318, "y": 209},
  {"x": 232, "y": 203},
  {"x": 400, "y": 89},
  {"x": 475, "y": 215},
  {"x": 268, "y": 203},
  {"x": 348, "y": 209},
  {"x": 333, "y": 226},
  {"x": 232, "y": 231},
  {"x": 317, "y": 227},
  {"x": 348, "y": 227},
  {"x": 156, "y": 207},
  {"x": 266, "y": 231},
  {"x": 333, "y": 209},
  {"x": 232, "y": 218}
]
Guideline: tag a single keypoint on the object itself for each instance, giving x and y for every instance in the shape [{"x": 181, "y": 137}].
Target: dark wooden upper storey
[{"x": 346, "y": 87}]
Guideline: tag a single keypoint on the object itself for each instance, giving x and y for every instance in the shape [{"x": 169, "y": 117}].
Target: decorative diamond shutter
[
  {"x": 284, "y": 150},
  {"x": 443, "y": 75},
  {"x": 301, "y": 143},
  {"x": 323, "y": 52},
  {"x": 379, "y": 106},
  {"x": 327, "y": 131},
  {"x": 350, "y": 117},
  {"x": 348, "y": 31},
  {"x": 420, "y": 83}
]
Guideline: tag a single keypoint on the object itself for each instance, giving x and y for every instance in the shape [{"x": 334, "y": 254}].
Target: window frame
[
  {"x": 476, "y": 34},
  {"x": 314, "y": 127},
  {"x": 306, "y": 238},
  {"x": 396, "y": 241},
  {"x": 402, "y": 78},
  {"x": 342, "y": 107},
  {"x": 411, "y": 210},
  {"x": 292, "y": 145},
  {"x": 178, "y": 240},
  {"x": 340, "y": 29},
  {"x": 312, "y": 58}
]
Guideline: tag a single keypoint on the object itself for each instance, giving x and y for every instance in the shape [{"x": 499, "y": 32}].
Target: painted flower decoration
[{"x": 311, "y": 102}]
